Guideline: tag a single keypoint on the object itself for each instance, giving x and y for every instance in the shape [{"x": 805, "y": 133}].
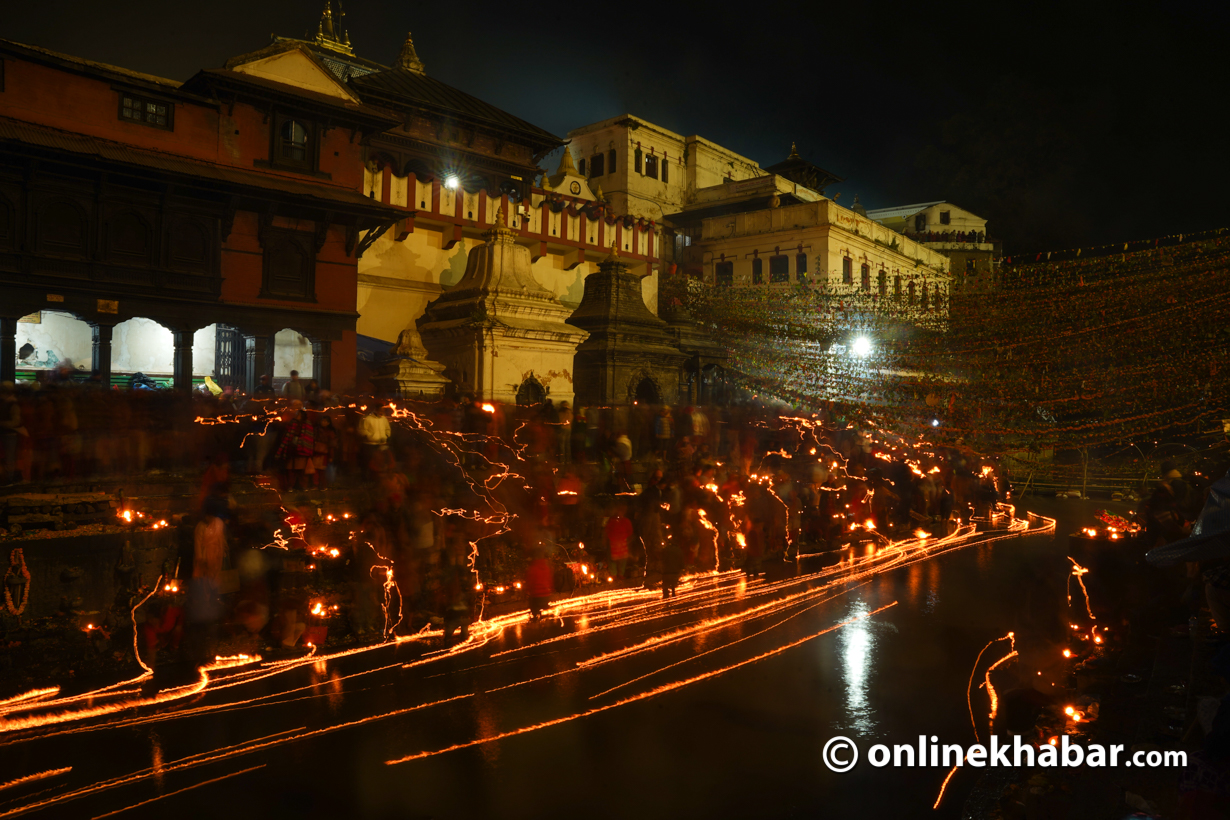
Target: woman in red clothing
[{"x": 618, "y": 536}]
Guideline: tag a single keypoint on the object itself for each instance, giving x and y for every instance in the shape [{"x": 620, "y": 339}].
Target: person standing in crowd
[
  {"x": 672, "y": 568},
  {"x": 324, "y": 450},
  {"x": 293, "y": 389},
  {"x": 664, "y": 432},
  {"x": 538, "y": 584},
  {"x": 618, "y": 536},
  {"x": 264, "y": 390},
  {"x": 374, "y": 432},
  {"x": 298, "y": 447}
]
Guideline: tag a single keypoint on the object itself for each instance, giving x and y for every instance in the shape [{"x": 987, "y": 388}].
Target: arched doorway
[
  {"x": 530, "y": 393},
  {"x": 647, "y": 392}
]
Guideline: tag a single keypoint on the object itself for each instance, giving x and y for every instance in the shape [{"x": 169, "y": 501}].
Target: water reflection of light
[{"x": 856, "y": 646}]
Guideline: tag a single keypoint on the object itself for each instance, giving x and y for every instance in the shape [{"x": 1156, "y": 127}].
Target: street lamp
[
  {"x": 452, "y": 182},
  {"x": 861, "y": 347}
]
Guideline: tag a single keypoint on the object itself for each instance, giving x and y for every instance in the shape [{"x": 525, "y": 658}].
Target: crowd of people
[{"x": 453, "y": 500}]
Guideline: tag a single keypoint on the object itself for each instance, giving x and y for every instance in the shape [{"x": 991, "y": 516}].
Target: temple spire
[
  {"x": 331, "y": 34},
  {"x": 408, "y": 58},
  {"x": 794, "y": 152}
]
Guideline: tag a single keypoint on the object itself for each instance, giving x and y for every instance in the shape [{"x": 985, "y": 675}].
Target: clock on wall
[{"x": 575, "y": 188}]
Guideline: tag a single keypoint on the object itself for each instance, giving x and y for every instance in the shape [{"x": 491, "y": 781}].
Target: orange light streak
[
  {"x": 669, "y": 687},
  {"x": 179, "y": 791},
  {"x": 30, "y": 778}
]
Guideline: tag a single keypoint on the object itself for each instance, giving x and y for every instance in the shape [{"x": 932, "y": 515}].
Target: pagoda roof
[
  {"x": 401, "y": 88},
  {"x": 807, "y": 174}
]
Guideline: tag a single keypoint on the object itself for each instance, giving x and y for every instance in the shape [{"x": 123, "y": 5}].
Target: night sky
[{"x": 1065, "y": 126}]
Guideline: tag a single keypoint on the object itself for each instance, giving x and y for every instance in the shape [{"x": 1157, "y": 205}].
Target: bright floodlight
[
  {"x": 935, "y": 422},
  {"x": 452, "y": 182},
  {"x": 861, "y": 346}
]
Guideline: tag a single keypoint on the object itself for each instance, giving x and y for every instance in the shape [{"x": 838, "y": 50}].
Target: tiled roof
[
  {"x": 83, "y": 144},
  {"x": 901, "y": 211},
  {"x": 402, "y": 88}
]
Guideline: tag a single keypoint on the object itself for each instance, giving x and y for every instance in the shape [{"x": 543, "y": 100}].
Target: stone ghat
[{"x": 57, "y": 511}]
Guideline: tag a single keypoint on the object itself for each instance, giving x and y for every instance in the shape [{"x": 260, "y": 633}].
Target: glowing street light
[
  {"x": 452, "y": 182},
  {"x": 861, "y": 347}
]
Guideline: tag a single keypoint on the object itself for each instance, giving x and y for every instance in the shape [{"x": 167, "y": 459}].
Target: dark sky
[{"x": 1065, "y": 125}]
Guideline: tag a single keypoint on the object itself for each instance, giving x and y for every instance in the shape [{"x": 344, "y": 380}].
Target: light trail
[
  {"x": 179, "y": 791},
  {"x": 31, "y": 778},
  {"x": 669, "y": 687},
  {"x": 1077, "y": 572}
]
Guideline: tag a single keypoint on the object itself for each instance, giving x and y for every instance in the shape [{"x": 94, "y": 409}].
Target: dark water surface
[{"x": 743, "y": 743}]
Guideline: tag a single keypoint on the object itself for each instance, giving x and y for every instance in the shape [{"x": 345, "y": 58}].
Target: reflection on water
[{"x": 856, "y": 645}]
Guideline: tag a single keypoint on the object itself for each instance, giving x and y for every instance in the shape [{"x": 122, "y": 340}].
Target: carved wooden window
[
  {"x": 189, "y": 247},
  {"x": 636, "y": 160},
  {"x": 666, "y": 169},
  {"x": 651, "y": 166},
  {"x": 290, "y": 266},
  {"x": 779, "y": 268},
  {"x": 154, "y": 113},
  {"x": 62, "y": 229},
  {"x": 7, "y": 228},
  {"x": 757, "y": 271},
  {"x": 128, "y": 237},
  {"x": 847, "y": 271},
  {"x": 724, "y": 273}
]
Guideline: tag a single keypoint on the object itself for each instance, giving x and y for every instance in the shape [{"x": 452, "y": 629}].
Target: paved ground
[{"x": 715, "y": 704}]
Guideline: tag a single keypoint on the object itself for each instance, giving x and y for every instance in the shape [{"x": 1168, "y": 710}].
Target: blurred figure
[
  {"x": 672, "y": 568},
  {"x": 298, "y": 448},
  {"x": 618, "y": 536},
  {"x": 539, "y": 584},
  {"x": 563, "y": 433},
  {"x": 264, "y": 390},
  {"x": 374, "y": 432},
  {"x": 324, "y": 451},
  {"x": 293, "y": 389}
]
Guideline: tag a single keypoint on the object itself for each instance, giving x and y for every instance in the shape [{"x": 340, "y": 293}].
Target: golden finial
[
  {"x": 598, "y": 193},
  {"x": 794, "y": 152}
]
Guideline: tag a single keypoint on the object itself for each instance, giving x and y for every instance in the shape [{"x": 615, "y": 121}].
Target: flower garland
[{"x": 17, "y": 562}]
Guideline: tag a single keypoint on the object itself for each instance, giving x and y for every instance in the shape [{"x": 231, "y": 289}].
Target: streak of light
[
  {"x": 32, "y": 695},
  {"x": 1077, "y": 572},
  {"x": 669, "y": 687},
  {"x": 179, "y": 791},
  {"x": 30, "y": 778}
]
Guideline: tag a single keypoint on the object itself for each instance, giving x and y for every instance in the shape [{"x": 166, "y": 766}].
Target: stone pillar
[
  {"x": 257, "y": 362},
  {"x": 181, "y": 361},
  {"x": 100, "y": 359},
  {"x": 322, "y": 363},
  {"x": 8, "y": 350},
  {"x": 270, "y": 347}
]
